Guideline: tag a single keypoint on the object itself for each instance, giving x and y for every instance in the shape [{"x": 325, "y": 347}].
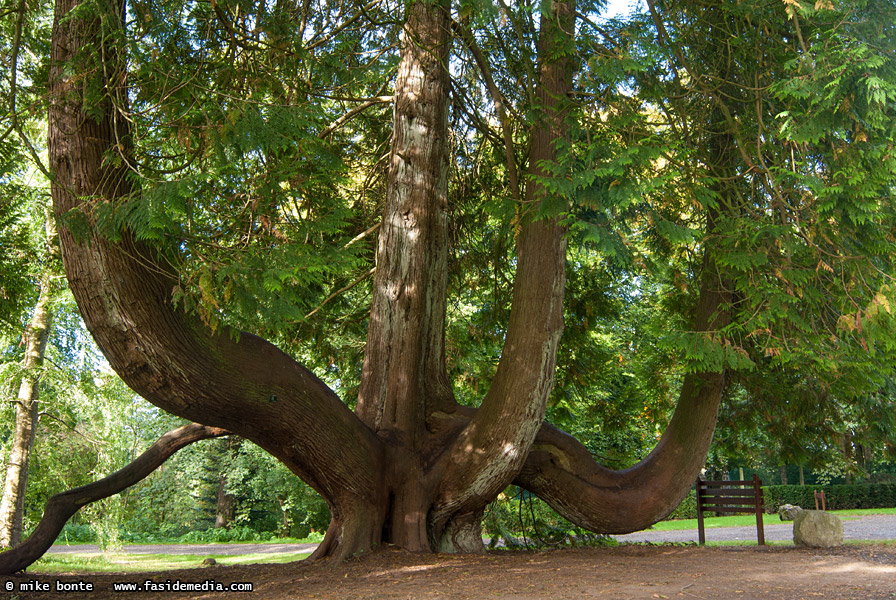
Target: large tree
[{"x": 410, "y": 465}]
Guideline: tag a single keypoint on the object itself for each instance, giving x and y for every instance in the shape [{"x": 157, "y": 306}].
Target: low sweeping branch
[{"x": 61, "y": 507}]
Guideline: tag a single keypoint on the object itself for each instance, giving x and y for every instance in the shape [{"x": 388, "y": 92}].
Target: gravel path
[{"x": 870, "y": 527}]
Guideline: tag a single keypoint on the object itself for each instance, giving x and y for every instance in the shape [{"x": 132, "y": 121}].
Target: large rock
[
  {"x": 817, "y": 529},
  {"x": 788, "y": 512}
]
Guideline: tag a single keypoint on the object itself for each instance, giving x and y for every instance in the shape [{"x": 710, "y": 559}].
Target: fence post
[
  {"x": 760, "y": 508},
  {"x": 700, "y": 531}
]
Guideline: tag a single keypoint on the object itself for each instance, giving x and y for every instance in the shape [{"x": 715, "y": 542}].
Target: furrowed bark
[
  {"x": 404, "y": 378},
  {"x": 404, "y": 375},
  {"x": 492, "y": 448},
  {"x": 61, "y": 507},
  {"x": 123, "y": 289}
]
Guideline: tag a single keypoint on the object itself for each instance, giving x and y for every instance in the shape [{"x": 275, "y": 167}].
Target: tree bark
[
  {"x": 12, "y": 505},
  {"x": 61, "y": 507},
  {"x": 404, "y": 378},
  {"x": 225, "y": 503}
]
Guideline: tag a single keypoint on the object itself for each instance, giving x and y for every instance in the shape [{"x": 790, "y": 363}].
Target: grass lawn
[{"x": 122, "y": 562}]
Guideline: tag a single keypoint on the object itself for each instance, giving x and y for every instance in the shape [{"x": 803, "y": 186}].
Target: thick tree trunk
[
  {"x": 404, "y": 378},
  {"x": 61, "y": 507},
  {"x": 12, "y": 505},
  {"x": 405, "y": 385}
]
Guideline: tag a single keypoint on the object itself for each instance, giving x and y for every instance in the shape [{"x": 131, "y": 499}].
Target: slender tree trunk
[
  {"x": 12, "y": 505},
  {"x": 285, "y": 524},
  {"x": 848, "y": 455},
  {"x": 502, "y": 431},
  {"x": 225, "y": 503}
]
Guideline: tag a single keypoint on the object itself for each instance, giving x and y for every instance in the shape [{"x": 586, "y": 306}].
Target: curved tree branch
[
  {"x": 561, "y": 471},
  {"x": 226, "y": 379},
  {"x": 61, "y": 507},
  {"x": 499, "y": 101},
  {"x": 493, "y": 446}
]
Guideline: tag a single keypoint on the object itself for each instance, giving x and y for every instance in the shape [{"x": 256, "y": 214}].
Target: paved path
[{"x": 871, "y": 527}]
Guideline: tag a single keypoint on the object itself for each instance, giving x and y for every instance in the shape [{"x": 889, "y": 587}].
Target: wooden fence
[{"x": 730, "y": 497}]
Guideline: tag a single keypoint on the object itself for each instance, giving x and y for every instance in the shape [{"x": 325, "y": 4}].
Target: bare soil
[{"x": 623, "y": 572}]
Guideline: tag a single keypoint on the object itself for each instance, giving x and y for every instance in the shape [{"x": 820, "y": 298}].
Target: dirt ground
[{"x": 624, "y": 572}]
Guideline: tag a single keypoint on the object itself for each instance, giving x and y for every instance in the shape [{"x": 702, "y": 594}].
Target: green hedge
[{"x": 837, "y": 497}]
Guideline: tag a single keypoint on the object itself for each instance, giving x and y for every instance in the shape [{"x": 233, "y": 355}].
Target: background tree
[{"x": 34, "y": 339}]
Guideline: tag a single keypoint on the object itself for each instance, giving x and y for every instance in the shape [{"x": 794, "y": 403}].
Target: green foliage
[
  {"x": 687, "y": 509},
  {"x": 725, "y": 148},
  {"x": 837, "y": 497},
  {"x": 76, "y": 533},
  {"x": 219, "y": 535},
  {"x": 263, "y": 485}
]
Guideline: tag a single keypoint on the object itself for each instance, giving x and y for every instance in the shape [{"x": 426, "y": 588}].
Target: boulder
[
  {"x": 787, "y": 512},
  {"x": 817, "y": 529}
]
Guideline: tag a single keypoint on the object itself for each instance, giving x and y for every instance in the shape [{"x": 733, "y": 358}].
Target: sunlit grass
[
  {"x": 122, "y": 562},
  {"x": 176, "y": 542}
]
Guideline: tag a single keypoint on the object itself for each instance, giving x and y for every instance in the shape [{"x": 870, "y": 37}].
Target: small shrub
[
  {"x": 77, "y": 533},
  {"x": 221, "y": 535},
  {"x": 687, "y": 509}
]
